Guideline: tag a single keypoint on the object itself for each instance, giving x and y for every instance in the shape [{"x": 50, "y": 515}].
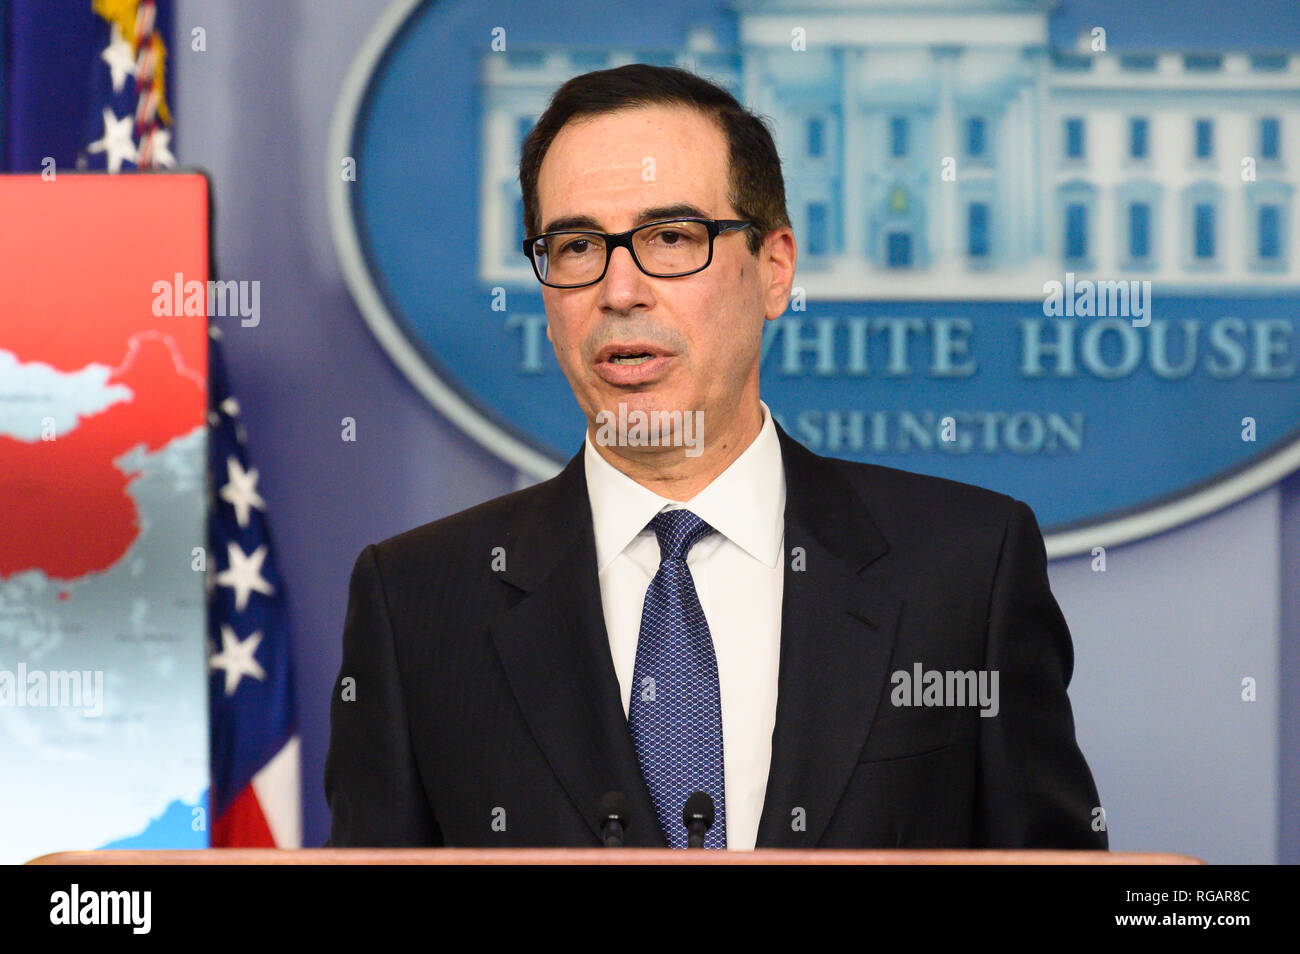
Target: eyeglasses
[{"x": 571, "y": 259}]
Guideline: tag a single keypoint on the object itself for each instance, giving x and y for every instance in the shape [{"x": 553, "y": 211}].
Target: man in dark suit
[{"x": 836, "y": 654}]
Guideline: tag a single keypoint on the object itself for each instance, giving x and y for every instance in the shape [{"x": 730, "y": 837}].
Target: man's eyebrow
[{"x": 679, "y": 211}]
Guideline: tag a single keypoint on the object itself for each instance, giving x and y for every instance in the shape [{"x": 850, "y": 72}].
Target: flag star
[
  {"x": 159, "y": 154},
  {"x": 241, "y": 490},
  {"x": 120, "y": 59},
  {"x": 230, "y": 406},
  {"x": 237, "y": 659},
  {"x": 244, "y": 574},
  {"x": 117, "y": 141}
]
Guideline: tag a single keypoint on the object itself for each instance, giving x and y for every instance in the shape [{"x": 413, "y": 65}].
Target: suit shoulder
[
  {"x": 477, "y": 528},
  {"x": 924, "y": 497}
]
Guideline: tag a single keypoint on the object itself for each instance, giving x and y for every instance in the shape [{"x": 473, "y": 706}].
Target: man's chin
[
  {"x": 648, "y": 424},
  {"x": 651, "y": 400}
]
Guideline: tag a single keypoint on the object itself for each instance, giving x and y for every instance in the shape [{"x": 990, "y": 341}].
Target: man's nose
[{"x": 624, "y": 285}]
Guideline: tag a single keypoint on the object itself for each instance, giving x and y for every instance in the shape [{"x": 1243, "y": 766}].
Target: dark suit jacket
[{"x": 484, "y": 707}]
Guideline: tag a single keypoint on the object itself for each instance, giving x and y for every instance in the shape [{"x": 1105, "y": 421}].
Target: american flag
[
  {"x": 255, "y": 797},
  {"x": 131, "y": 127}
]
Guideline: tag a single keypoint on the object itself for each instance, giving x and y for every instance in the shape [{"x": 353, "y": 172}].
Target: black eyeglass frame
[{"x": 715, "y": 227}]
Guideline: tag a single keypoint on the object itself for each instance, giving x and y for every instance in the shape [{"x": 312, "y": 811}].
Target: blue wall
[{"x": 1162, "y": 639}]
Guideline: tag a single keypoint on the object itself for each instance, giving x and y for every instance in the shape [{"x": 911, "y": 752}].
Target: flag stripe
[
  {"x": 243, "y": 825},
  {"x": 279, "y": 793}
]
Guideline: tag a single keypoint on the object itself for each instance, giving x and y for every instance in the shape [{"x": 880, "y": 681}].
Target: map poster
[{"x": 103, "y": 497}]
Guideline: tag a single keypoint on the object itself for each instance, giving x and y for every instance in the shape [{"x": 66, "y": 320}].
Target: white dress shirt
[{"x": 739, "y": 577}]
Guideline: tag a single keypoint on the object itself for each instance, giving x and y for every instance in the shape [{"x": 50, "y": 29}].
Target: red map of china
[{"x": 79, "y": 259}]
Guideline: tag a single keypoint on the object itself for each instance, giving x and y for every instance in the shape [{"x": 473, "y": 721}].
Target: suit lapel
[
  {"x": 837, "y": 637},
  {"x": 555, "y": 650}
]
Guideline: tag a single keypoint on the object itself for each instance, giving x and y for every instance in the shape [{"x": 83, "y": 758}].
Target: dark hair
[{"x": 757, "y": 189}]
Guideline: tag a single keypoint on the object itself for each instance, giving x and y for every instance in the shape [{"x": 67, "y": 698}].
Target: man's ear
[
  {"x": 548, "y": 332},
  {"x": 778, "y": 256}
]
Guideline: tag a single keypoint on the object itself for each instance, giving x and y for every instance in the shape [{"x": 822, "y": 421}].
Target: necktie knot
[{"x": 678, "y": 531}]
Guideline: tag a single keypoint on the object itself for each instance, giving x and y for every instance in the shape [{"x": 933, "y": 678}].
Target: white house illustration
[{"x": 945, "y": 149}]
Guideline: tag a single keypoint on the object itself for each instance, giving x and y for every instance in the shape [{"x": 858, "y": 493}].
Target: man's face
[{"x": 622, "y": 169}]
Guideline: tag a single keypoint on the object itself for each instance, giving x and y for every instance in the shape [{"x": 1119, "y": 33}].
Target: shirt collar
[{"x": 745, "y": 503}]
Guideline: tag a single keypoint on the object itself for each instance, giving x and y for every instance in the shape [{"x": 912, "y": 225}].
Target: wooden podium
[{"x": 603, "y": 856}]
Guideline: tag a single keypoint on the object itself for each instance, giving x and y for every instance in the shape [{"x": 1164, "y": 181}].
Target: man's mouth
[
  {"x": 634, "y": 364},
  {"x": 631, "y": 353},
  {"x": 638, "y": 358}
]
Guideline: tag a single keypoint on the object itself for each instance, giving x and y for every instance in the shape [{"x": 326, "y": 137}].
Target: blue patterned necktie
[{"x": 675, "y": 713}]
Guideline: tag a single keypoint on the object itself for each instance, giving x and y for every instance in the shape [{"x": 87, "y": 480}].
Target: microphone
[
  {"x": 697, "y": 815},
  {"x": 613, "y": 819}
]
